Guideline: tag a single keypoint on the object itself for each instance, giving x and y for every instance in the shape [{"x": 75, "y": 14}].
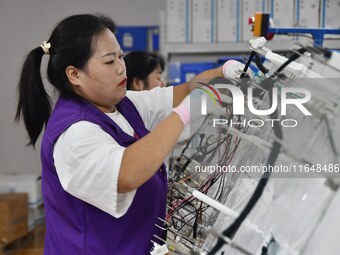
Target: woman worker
[
  {"x": 103, "y": 179},
  {"x": 144, "y": 70}
]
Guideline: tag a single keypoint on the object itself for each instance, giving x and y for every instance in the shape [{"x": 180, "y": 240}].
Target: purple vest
[{"x": 75, "y": 227}]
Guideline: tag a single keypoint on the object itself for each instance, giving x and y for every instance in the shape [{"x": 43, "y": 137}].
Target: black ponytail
[
  {"x": 34, "y": 103},
  {"x": 71, "y": 44}
]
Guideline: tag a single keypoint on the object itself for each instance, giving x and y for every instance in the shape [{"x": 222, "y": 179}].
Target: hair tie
[{"x": 46, "y": 47}]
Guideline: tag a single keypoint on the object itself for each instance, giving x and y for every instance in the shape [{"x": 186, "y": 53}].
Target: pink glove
[{"x": 190, "y": 109}]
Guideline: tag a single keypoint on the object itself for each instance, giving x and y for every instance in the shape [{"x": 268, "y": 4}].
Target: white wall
[{"x": 23, "y": 26}]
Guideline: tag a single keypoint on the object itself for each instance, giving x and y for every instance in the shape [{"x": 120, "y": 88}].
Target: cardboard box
[
  {"x": 13, "y": 216},
  {"x": 23, "y": 183}
]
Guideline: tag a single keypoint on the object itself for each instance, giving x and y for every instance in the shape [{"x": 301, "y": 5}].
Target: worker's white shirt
[{"x": 88, "y": 160}]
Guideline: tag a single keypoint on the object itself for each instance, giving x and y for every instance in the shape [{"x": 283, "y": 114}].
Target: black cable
[
  {"x": 294, "y": 57},
  {"x": 231, "y": 230},
  {"x": 185, "y": 148},
  {"x": 189, "y": 141},
  {"x": 259, "y": 64},
  {"x": 252, "y": 54},
  {"x": 268, "y": 85}
]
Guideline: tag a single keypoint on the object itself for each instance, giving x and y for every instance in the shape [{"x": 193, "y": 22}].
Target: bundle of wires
[{"x": 266, "y": 84}]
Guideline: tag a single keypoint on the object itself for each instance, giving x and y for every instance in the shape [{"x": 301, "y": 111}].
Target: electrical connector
[{"x": 159, "y": 249}]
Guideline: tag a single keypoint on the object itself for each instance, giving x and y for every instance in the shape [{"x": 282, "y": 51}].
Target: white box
[
  {"x": 203, "y": 21},
  {"x": 23, "y": 183},
  {"x": 178, "y": 21},
  {"x": 307, "y": 13},
  {"x": 282, "y": 12},
  {"x": 228, "y": 18},
  {"x": 249, "y": 8},
  {"x": 330, "y": 17}
]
